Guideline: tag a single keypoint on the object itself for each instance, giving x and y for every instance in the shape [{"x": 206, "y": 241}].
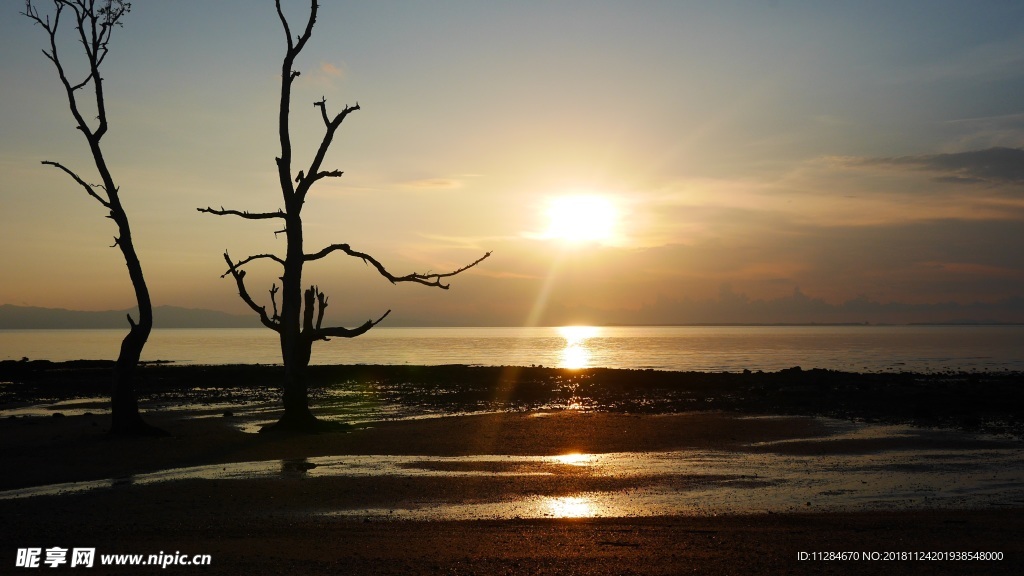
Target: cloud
[
  {"x": 434, "y": 184},
  {"x": 988, "y": 131},
  {"x": 996, "y": 165},
  {"x": 326, "y": 76},
  {"x": 331, "y": 70}
]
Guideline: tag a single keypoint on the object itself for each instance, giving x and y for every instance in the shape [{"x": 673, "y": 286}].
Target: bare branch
[
  {"x": 314, "y": 173},
  {"x": 427, "y": 279},
  {"x": 33, "y": 13},
  {"x": 319, "y": 175},
  {"x": 284, "y": 22},
  {"x": 88, "y": 187},
  {"x": 94, "y": 26},
  {"x": 307, "y": 310},
  {"x": 325, "y": 333},
  {"x": 316, "y": 331},
  {"x": 302, "y": 38},
  {"x": 273, "y": 292},
  {"x": 241, "y": 263},
  {"x": 94, "y": 23},
  {"x": 292, "y": 47},
  {"x": 322, "y": 301},
  {"x": 288, "y": 75},
  {"x": 51, "y": 30},
  {"x": 242, "y": 213},
  {"x": 332, "y": 248},
  {"x": 322, "y": 105},
  {"x": 239, "y": 276},
  {"x": 339, "y": 118},
  {"x": 330, "y": 174}
]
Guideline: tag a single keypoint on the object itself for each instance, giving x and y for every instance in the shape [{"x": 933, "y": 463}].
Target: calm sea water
[{"x": 704, "y": 348}]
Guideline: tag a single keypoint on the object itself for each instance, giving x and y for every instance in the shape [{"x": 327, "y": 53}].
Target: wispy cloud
[
  {"x": 440, "y": 182},
  {"x": 982, "y": 132},
  {"x": 996, "y": 165},
  {"x": 329, "y": 69},
  {"x": 434, "y": 184},
  {"x": 326, "y": 76}
]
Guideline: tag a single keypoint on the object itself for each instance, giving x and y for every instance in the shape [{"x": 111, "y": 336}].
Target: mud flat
[
  {"x": 564, "y": 492},
  {"x": 428, "y": 484}
]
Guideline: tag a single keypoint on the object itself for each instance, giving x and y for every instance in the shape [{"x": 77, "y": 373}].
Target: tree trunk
[
  {"x": 297, "y": 416},
  {"x": 295, "y": 346},
  {"x": 124, "y": 406}
]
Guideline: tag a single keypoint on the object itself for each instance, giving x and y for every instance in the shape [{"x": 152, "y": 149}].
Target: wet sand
[{"x": 288, "y": 521}]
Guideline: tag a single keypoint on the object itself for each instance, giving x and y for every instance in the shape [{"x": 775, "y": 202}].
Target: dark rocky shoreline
[{"x": 979, "y": 402}]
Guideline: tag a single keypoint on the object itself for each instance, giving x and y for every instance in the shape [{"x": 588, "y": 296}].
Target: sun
[{"x": 581, "y": 218}]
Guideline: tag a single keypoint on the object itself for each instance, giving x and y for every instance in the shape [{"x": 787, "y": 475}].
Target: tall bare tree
[
  {"x": 94, "y": 22},
  {"x": 299, "y": 320}
]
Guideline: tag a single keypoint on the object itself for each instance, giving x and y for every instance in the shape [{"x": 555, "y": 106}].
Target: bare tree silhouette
[
  {"x": 94, "y": 23},
  {"x": 299, "y": 321}
]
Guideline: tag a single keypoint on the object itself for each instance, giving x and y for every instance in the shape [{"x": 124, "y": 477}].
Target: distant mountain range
[{"x": 27, "y": 317}]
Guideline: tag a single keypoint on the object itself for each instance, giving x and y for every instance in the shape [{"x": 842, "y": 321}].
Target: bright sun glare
[
  {"x": 576, "y": 354},
  {"x": 571, "y": 507},
  {"x": 581, "y": 218}
]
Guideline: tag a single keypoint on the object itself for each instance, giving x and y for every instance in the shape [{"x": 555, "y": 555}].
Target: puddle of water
[
  {"x": 581, "y": 505},
  {"x": 842, "y": 430},
  {"x": 712, "y": 483}
]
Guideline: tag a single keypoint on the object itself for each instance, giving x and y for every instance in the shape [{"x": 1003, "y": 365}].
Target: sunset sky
[{"x": 624, "y": 161}]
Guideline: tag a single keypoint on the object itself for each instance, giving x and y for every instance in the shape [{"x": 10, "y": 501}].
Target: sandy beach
[{"x": 533, "y": 491}]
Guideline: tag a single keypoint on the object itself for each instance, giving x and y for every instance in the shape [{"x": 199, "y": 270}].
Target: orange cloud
[{"x": 331, "y": 70}]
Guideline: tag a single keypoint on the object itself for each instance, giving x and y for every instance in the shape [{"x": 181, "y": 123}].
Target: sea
[{"x": 860, "y": 348}]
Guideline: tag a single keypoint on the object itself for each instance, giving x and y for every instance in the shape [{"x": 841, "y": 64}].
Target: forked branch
[
  {"x": 241, "y": 263},
  {"x": 427, "y": 279},
  {"x": 314, "y": 173},
  {"x": 94, "y": 26},
  {"x": 339, "y": 118},
  {"x": 292, "y": 46},
  {"x": 239, "y": 276},
  {"x": 316, "y": 303}
]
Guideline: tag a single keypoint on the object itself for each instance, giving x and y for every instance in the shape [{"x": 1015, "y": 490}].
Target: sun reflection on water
[
  {"x": 576, "y": 354},
  {"x": 571, "y": 507},
  {"x": 575, "y": 459}
]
